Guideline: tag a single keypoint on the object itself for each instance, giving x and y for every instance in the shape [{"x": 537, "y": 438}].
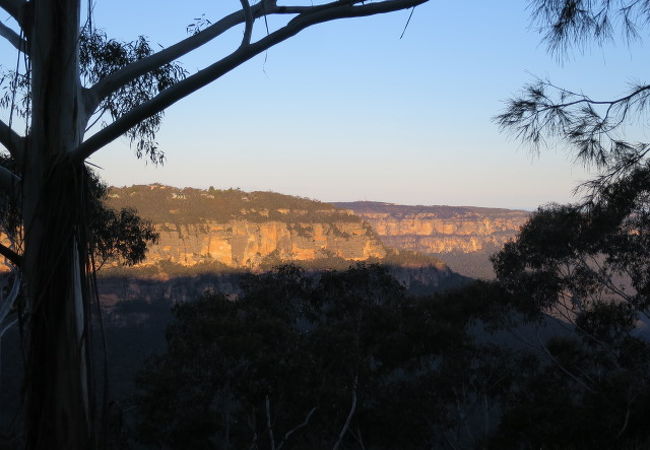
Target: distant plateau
[{"x": 213, "y": 236}]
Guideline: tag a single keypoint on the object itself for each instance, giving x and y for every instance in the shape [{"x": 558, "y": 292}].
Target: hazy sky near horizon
[{"x": 348, "y": 111}]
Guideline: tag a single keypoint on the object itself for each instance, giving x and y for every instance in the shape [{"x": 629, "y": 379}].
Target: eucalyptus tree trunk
[
  {"x": 56, "y": 382},
  {"x": 58, "y": 397}
]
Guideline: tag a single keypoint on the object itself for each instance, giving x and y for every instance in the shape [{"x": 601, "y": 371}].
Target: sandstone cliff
[
  {"x": 245, "y": 230},
  {"x": 214, "y": 236},
  {"x": 463, "y": 236},
  {"x": 439, "y": 229}
]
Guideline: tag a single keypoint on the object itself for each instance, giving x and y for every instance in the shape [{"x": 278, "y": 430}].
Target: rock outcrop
[
  {"x": 242, "y": 244},
  {"x": 439, "y": 229},
  {"x": 216, "y": 235},
  {"x": 245, "y": 230},
  {"x": 462, "y": 236}
]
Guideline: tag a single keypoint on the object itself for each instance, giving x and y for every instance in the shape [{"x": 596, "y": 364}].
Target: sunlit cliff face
[
  {"x": 245, "y": 230},
  {"x": 244, "y": 244},
  {"x": 249, "y": 230},
  {"x": 440, "y": 229}
]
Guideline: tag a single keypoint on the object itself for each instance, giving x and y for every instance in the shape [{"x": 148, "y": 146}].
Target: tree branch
[
  {"x": 114, "y": 81},
  {"x": 15, "y": 8},
  {"x": 304, "y": 423},
  {"x": 581, "y": 98},
  {"x": 11, "y": 141},
  {"x": 14, "y": 38},
  {"x": 269, "y": 428},
  {"x": 8, "y": 180},
  {"x": 11, "y": 255},
  {"x": 337, "y": 10},
  {"x": 353, "y": 408},
  {"x": 248, "y": 14},
  {"x": 545, "y": 110},
  {"x": 562, "y": 368}
]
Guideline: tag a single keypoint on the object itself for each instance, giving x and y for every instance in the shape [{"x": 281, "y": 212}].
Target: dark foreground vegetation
[{"x": 553, "y": 354}]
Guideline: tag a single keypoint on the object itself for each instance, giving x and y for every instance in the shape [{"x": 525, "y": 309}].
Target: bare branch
[
  {"x": 313, "y": 9},
  {"x": 248, "y": 31},
  {"x": 357, "y": 435},
  {"x": 171, "y": 95},
  {"x": 626, "y": 421},
  {"x": 11, "y": 255},
  {"x": 296, "y": 428},
  {"x": 7, "y": 302},
  {"x": 11, "y": 140},
  {"x": 14, "y": 38},
  {"x": 269, "y": 428},
  {"x": 252, "y": 425},
  {"x": 105, "y": 87},
  {"x": 6, "y": 326},
  {"x": 561, "y": 367},
  {"x": 8, "y": 180},
  {"x": 15, "y": 8},
  {"x": 353, "y": 408}
]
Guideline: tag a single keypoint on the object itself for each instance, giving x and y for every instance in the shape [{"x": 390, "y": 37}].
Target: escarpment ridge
[
  {"x": 462, "y": 236},
  {"x": 228, "y": 232}
]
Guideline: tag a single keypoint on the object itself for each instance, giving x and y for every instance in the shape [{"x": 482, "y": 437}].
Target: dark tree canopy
[
  {"x": 340, "y": 359},
  {"x": 586, "y": 265}
]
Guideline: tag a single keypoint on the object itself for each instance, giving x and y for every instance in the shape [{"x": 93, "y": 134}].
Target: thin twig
[
  {"x": 564, "y": 369},
  {"x": 407, "y": 23},
  {"x": 293, "y": 430},
  {"x": 353, "y": 408},
  {"x": 268, "y": 422}
]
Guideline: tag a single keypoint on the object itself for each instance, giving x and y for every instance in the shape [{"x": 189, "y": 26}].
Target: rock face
[
  {"x": 462, "y": 236},
  {"x": 439, "y": 229},
  {"x": 245, "y": 230},
  {"x": 242, "y": 244},
  {"x": 209, "y": 238}
]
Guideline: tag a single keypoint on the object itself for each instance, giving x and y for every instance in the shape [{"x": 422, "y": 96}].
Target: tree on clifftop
[{"x": 73, "y": 76}]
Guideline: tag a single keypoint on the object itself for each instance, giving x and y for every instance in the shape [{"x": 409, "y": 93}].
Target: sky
[{"x": 348, "y": 111}]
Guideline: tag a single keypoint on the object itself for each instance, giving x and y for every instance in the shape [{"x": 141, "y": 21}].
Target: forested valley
[
  {"x": 553, "y": 353},
  {"x": 335, "y": 351}
]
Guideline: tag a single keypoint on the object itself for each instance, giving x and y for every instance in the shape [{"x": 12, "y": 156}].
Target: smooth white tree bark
[{"x": 51, "y": 187}]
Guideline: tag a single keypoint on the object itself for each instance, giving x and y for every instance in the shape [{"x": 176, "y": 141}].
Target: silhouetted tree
[
  {"x": 73, "y": 76},
  {"x": 116, "y": 236},
  {"x": 588, "y": 266},
  {"x": 340, "y": 359}
]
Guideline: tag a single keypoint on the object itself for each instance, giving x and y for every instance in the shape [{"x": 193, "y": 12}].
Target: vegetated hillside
[
  {"x": 462, "y": 236},
  {"x": 242, "y": 230},
  {"x": 213, "y": 231},
  {"x": 166, "y": 204}
]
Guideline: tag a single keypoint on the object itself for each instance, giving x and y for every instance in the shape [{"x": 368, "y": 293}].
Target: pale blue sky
[{"x": 348, "y": 111}]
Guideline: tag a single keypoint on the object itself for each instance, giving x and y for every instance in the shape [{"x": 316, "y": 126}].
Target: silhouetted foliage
[
  {"x": 99, "y": 57},
  {"x": 588, "y": 266},
  {"x": 118, "y": 236},
  {"x": 308, "y": 354},
  {"x": 591, "y": 125}
]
